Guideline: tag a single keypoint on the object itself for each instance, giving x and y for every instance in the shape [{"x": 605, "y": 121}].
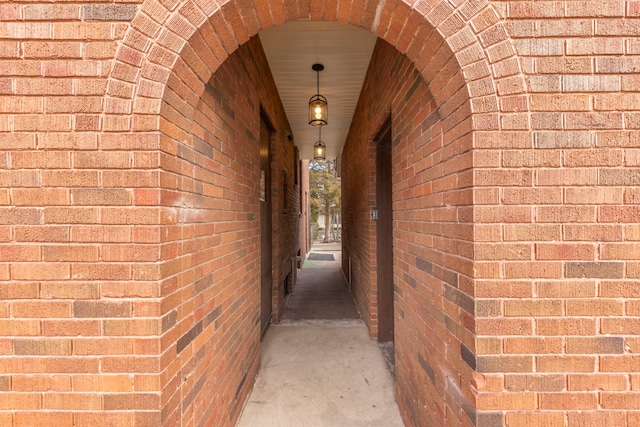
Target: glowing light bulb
[
  {"x": 318, "y": 111},
  {"x": 318, "y": 116}
]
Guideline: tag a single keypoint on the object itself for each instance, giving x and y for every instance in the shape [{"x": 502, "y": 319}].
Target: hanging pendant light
[
  {"x": 319, "y": 148},
  {"x": 318, "y": 112}
]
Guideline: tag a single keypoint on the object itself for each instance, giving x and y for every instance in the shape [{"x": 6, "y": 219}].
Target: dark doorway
[
  {"x": 384, "y": 234},
  {"x": 265, "y": 215}
]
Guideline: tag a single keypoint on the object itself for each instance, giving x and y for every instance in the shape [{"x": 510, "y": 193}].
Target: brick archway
[
  {"x": 189, "y": 40},
  {"x": 162, "y": 74},
  {"x": 127, "y": 243}
]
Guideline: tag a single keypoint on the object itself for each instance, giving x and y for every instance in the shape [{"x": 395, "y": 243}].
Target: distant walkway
[
  {"x": 320, "y": 293},
  {"x": 316, "y": 257},
  {"x": 319, "y": 367}
]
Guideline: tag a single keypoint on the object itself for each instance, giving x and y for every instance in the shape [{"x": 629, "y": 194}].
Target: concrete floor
[{"x": 321, "y": 370}]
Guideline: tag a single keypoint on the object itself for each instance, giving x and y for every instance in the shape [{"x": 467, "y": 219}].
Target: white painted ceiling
[{"x": 345, "y": 52}]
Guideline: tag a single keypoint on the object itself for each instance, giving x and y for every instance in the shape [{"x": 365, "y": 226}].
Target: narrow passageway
[
  {"x": 321, "y": 292},
  {"x": 319, "y": 367}
]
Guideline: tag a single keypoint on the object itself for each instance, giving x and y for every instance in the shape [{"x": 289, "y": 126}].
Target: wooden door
[
  {"x": 384, "y": 234},
  {"x": 265, "y": 215}
]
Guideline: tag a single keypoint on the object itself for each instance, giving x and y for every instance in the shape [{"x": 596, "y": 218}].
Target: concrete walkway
[
  {"x": 321, "y": 370},
  {"x": 334, "y": 248}
]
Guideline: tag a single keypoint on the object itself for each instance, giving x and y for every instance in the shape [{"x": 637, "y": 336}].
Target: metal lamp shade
[
  {"x": 319, "y": 150},
  {"x": 318, "y": 111}
]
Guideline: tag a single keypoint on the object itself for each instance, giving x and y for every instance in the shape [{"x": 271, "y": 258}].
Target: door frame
[
  {"x": 384, "y": 234},
  {"x": 266, "y": 224}
]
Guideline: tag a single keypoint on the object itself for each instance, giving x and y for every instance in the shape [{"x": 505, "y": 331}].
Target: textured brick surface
[
  {"x": 422, "y": 272},
  {"x": 127, "y": 245},
  {"x": 548, "y": 215},
  {"x": 216, "y": 295},
  {"x": 515, "y": 198}
]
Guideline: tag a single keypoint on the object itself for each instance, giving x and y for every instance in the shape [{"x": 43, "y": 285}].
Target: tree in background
[{"x": 324, "y": 189}]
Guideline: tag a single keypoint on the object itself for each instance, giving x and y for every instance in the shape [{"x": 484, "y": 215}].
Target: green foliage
[{"x": 324, "y": 191}]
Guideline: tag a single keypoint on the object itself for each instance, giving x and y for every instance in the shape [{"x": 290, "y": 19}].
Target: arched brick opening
[
  {"x": 462, "y": 62},
  {"x": 190, "y": 40},
  {"x": 95, "y": 253}
]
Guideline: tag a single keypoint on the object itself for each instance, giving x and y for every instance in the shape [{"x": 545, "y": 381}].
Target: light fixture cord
[{"x": 318, "y": 82}]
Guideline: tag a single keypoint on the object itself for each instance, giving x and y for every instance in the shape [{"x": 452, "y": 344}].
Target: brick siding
[
  {"x": 530, "y": 204},
  {"x": 432, "y": 250},
  {"x": 518, "y": 308},
  {"x": 213, "y": 295}
]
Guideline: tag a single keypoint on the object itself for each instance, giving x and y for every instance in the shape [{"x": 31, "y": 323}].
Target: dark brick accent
[
  {"x": 424, "y": 265},
  {"x": 409, "y": 280},
  {"x": 101, "y": 309},
  {"x": 619, "y": 177},
  {"x": 490, "y": 419},
  {"x": 109, "y": 12},
  {"x": 504, "y": 364},
  {"x": 595, "y": 345},
  {"x": 239, "y": 389},
  {"x": 595, "y": 270},
  {"x": 450, "y": 324},
  {"x": 488, "y": 308},
  {"x": 5, "y": 383},
  {"x": 459, "y": 298},
  {"x": 431, "y": 120},
  {"x": 212, "y": 316},
  {"x": 202, "y": 147},
  {"x": 427, "y": 368},
  {"x": 230, "y": 112},
  {"x": 202, "y": 284},
  {"x": 184, "y": 340},
  {"x": 185, "y": 152},
  {"x": 42, "y": 347},
  {"x": 169, "y": 320},
  {"x": 416, "y": 84},
  {"x": 461, "y": 400},
  {"x": 450, "y": 277},
  {"x": 468, "y": 356},
  {"x": 15, "y": 216}
]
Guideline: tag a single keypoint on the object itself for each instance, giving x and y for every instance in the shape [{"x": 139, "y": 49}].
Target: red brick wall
[
  {"x": 542, "y": 302},
  {"x": 94, "y": 99},
  {"x": 432, "y": 250},
  {"x": 80, "y": 226},
  {"x": 556, "y": 222},
  {"x": 358, "y": 230},
  {"x": 132, "y": 261},
  {"x": 212, "y": 303}
]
